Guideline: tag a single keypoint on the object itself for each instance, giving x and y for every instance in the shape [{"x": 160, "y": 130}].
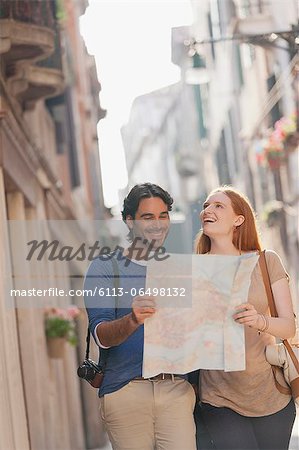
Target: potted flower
[
  {"x": 274, "y": 152},
  {"x": 60, "y": 327},
  {"x": 286, "y": 128},
  {"x": 279, "y": 142}
]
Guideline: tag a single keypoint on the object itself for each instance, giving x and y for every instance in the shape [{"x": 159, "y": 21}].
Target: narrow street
[{"x": 132, "y": 132}]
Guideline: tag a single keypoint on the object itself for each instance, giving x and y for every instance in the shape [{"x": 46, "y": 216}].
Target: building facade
[
  {"x": 239, "y": 77},
  {"x": 49, "y": 171},
  {"x": 251, "y": 53}
]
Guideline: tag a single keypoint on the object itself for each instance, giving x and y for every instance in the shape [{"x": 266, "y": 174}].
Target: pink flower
[
  {"x": 60, "y": 322},
  {"x": 73, "y": 311}
]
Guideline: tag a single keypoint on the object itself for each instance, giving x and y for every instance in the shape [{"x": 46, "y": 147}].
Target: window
[
  {"x": 275, "y": 111},
  {"x": 243, "y": 8},
  {"x": 233, "y": 140},
  {"x": 222, "y": 161},
  {"x": 239, "y": 76},
  {"x": 211, "y": 35},
  {"x": 215, "y": 19},
  {"x": 201, "y": 96},
  {"x": 248, "y": 55},
  {"x": 72, "y": 148}
]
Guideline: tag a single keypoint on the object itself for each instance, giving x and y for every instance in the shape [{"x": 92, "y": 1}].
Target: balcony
[
  {"x": 30, "y": 49},
  {"x": 27, "y": 29},
  {"x": 32, "y": 83}
]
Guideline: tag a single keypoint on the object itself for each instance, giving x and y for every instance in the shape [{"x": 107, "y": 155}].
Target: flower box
[
  {"x": 60, "y": 327},
  {"x": 56, "y": 346},
  {"x": 281, "y": 141}
]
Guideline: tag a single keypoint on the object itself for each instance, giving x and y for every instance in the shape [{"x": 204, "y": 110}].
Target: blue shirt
[{"x": 124, "y": 361}]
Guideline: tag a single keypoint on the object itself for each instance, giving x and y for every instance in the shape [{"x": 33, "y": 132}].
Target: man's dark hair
[{"x": 141, "y": 191}]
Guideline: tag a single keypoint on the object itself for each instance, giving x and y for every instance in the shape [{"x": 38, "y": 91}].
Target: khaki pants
[{"x": 148, "y": 415}]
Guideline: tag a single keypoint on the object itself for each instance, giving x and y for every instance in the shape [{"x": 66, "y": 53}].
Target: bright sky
[{"x": 131, "y": 41}]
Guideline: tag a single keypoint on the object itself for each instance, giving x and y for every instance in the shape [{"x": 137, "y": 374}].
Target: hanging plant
[
  {"x": 282, "y": 140},
  {"x": 274, "y": 152},
  {"x": 60, "y": 323},
  {"x": 286, "y": 131}
]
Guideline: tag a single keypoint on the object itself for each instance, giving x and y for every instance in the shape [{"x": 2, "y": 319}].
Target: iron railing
[{"x": 36, "y": 12}]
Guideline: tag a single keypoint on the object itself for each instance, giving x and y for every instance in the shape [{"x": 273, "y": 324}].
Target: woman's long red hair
[{"x": 246, "y": 237}]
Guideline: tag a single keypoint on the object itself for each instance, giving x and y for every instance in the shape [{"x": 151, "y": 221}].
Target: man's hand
[
  {"x": 117, "y": 331},
  {"x": 143, "y": 307}
]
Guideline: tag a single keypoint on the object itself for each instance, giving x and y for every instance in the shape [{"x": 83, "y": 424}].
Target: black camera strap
[
  {"x": 116, "y": 286},
  {"x": 87, "y": 344}
]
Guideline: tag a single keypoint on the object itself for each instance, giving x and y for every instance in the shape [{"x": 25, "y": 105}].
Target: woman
[{"x": 244, "y": 410}]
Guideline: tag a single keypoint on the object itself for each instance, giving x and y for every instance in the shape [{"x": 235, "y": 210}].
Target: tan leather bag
[{"x": 281, "y": 355}]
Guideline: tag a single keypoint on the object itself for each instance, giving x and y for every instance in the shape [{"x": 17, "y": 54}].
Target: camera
[{"x": 91, "y": 372}]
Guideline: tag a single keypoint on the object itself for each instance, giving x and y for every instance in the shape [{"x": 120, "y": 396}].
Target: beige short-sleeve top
[{"x": 251, "y": 392}]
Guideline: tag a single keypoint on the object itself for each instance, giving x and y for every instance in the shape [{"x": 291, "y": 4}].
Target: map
[{"x": 195, "y": 330}]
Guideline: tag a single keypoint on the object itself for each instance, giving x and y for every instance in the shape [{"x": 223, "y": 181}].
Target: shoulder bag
[{"x": 283, "y": 355}]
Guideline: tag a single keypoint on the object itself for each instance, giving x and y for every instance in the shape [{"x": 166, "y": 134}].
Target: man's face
[{"x": 151, "y": 221}]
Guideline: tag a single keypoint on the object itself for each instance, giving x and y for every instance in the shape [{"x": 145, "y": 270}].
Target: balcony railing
[
  {"x": 54, "y": 61},
  {"x": 36, "y": 12},
  {"x": 30, "y": 49}
]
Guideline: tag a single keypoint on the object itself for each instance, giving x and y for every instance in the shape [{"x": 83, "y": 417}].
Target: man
[{"x": 140, "y": 414}]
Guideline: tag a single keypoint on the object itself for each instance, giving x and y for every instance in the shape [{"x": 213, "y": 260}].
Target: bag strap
[
  {"x": 282, "y": 389},
  {"x": 116, "y": 286},
  {"x": 272, "y": 306},
  {"x": 267, "y": 283}
]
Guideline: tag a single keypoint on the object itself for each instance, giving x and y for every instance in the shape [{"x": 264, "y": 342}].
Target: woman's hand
[
  {"x": 248, "y": 315},
  {"x": 282, "y": 326}
]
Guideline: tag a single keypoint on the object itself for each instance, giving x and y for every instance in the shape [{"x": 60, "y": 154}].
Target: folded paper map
[{"x": 196, "y": 330}]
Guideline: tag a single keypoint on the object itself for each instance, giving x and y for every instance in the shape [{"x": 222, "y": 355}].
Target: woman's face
[{"x": 218, "y": 217}]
